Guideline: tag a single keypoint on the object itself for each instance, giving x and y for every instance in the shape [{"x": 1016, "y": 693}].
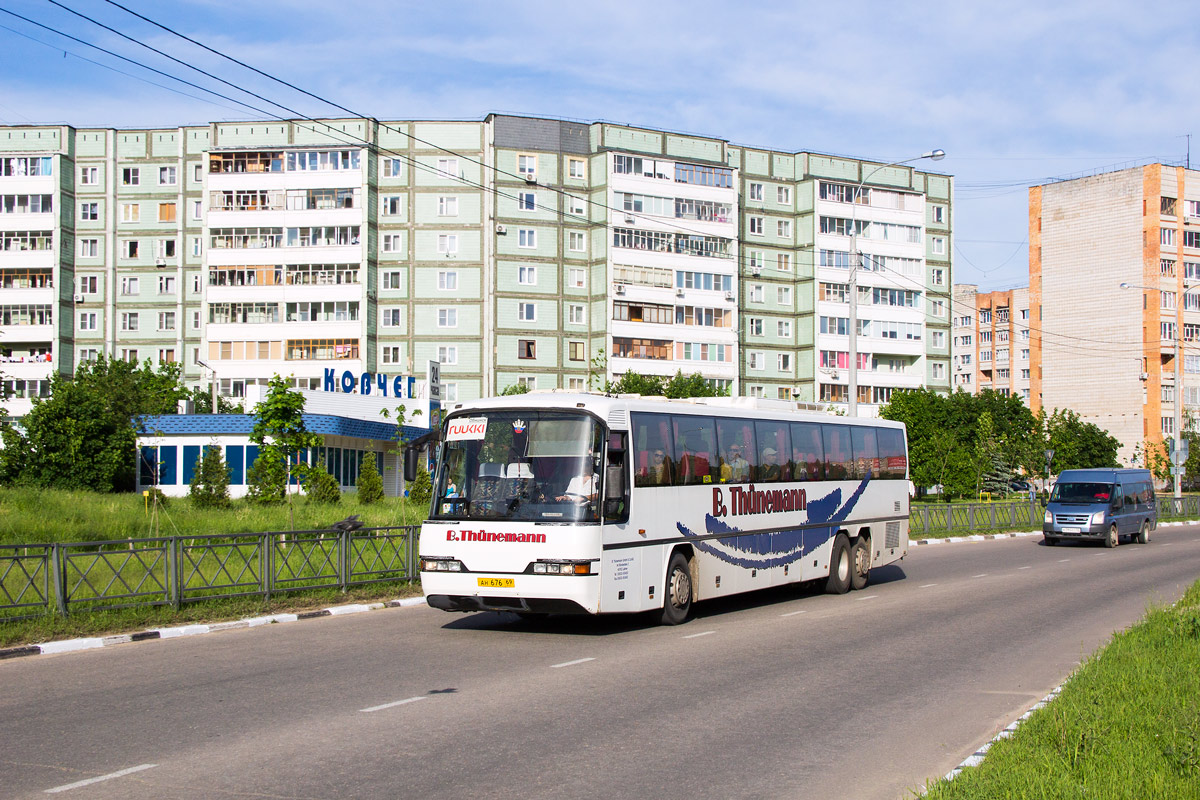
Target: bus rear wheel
[
  {"x": 677, "y": 594},
  {"x": 840, "y": 566},
  {"x": 860, "y": 559}
]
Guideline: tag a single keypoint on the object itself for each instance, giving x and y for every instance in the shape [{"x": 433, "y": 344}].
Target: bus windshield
[{"x": 520, "y": 465}]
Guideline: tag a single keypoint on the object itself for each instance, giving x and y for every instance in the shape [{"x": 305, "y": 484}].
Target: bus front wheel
[
  {"x": 840, "y": 566},
  {"x": 677, "y": 597}
]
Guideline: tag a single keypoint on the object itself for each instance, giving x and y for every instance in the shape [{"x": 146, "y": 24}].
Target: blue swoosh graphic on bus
[{"x": 776, "y": 548}]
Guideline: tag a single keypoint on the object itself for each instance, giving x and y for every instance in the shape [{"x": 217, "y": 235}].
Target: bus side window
[
  {"x": 774, "y": 451},
  {"x": 654, "y": 451},
  {"x": 695, "y": 449},
  {"x": 739, "y": 456},
  {"x": 892, "y": 461},
  {"x": 866, "y": 452},
  {"x": 839, "y": 457},
  {"x": 808, "y": 455}
]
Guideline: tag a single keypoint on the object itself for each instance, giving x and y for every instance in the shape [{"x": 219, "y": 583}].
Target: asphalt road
[{"x": 779, "y": 694}]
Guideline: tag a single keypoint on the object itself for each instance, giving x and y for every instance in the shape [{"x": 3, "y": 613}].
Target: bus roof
[{"x": 604, "y": 406}]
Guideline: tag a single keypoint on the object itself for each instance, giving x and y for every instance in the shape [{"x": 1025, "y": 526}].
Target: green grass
[
  {"x": 1126, "y": 725},
  {"x": 39, "y": 516}
]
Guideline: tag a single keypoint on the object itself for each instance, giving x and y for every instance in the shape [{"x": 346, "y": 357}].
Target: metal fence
[
  {"x": 927, "y": 518},
  {"x": 173, "y": 570}
]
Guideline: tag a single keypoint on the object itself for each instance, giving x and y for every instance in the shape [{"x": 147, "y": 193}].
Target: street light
[
  {"x": 1177, "y": 403},
  {"x": 932, "y": 155},
  {"x": 213, "y": 385}
]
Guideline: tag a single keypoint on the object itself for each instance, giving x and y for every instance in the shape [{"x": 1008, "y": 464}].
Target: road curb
[{"x": 175, "y": 632}]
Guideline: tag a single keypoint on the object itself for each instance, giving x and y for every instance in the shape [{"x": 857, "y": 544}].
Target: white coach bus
[{"x": 586, "y": 503}]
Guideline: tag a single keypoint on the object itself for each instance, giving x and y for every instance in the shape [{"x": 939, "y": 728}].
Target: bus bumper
[{"x": 534, "y": 594}]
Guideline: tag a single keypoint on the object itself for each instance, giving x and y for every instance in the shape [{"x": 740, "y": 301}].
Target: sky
[{"x": 1016, "y": 93}]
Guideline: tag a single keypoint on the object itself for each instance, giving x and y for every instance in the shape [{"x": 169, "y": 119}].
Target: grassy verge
[
  {"x": 127, "y": 620},
  {"x": 1126, "y": 725}
]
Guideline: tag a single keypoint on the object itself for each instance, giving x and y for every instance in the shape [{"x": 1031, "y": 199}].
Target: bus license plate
[
  {"x": 497, "y": 583},
  {"x": 1071, "y": 530}
]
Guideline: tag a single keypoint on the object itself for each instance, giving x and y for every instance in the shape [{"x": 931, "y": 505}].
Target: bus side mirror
[
  {"x": 615, "y": 491},
  {"x": 411, "y": 454}
]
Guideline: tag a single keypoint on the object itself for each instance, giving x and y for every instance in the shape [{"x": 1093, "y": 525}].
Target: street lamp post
[
  {"x": 932, "y": 155},
  {"x": 213, "y": 385},
  {"x": 1177, "y": 403}
]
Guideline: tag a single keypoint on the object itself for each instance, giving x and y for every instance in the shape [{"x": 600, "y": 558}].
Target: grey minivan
[{"x": 1101, "y": 505}]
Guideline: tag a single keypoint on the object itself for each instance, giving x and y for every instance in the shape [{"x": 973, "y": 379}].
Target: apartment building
[
  {"x": 512, "y": 250},
  {"x": 1105, "y": 350},
  {"x": 992, "y": 341}
]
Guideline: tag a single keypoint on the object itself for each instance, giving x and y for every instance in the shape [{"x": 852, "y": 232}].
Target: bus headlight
[
  {"x": 431, "y": 564},
  {"x": 546, "y": 567}
]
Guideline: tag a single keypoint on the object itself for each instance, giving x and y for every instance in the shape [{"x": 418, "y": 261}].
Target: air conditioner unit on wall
[
  {"x": 500, "y": 229},
  {"x": 618, "y": 288},
  {"x": 530, "y": 178},
  {"x": 78, "y": 298}
]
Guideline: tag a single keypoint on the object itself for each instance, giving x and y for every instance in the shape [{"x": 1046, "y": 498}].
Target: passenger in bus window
[
  {"x": 736, "y": 469},
  {"x": 660, "y": 467},
  {"x": 769, "y": 469}
]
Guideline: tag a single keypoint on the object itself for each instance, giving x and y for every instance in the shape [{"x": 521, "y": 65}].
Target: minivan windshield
[
  {"x": 1081, "y": 493},
  {"x": 520, "y": 465}
]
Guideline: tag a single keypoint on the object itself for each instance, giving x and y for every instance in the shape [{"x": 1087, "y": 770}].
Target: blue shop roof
[{"x": 243, "y": 424}]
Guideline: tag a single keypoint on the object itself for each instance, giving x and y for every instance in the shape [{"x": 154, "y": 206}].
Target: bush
[
  {"x": 265, "y": 480},
  {"x": 370, "y": 483},
  {"x": 321, "y": 487},
  {"x": 421, "y": 488},
  {"x": 210, "y": 480},
  {"x": 156, "y": 498}
]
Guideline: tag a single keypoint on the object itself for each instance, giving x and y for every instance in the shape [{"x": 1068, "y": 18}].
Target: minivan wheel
[
  {"x": 1113, "y": 538},
  {"x": 1049, "y": 540},
  {"x": 1143, "y": 536}
]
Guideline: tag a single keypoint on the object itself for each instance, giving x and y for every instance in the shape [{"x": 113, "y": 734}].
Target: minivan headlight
[
  {"x": 1048, "y": 519},
  {"x": 1098, "y": 518}
]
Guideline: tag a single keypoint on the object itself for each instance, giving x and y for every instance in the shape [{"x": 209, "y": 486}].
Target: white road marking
[
  {"x": 794, "y": 613},
  {"x": 1063, "y": 560},
  {"x": 571, "y": 663},
  {"x": 108, "y": 777},
  {"x": 984, "y": 575},
  {"x": 927, "y": 585},
  {"x": 1166, "y": 544},
  {"x": 1024, "y": 567},
  {"x": 869, "y": 597},
  {"x": 696, "y": 635},
  {"x": 391, "y": 705}
]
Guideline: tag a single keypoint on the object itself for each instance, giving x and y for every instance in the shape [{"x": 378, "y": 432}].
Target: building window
[
  {"x": 939, "y": 308},
  {"x": 166, "y": 320},
  {"x": 88, "y": 284},
  {"x": 527, "y": 166},
  {"x": 756, "y": 293},
  {"x": 938, "y": 214},
  {"x": 195, "y": 320},
  {"x": 575, "y": 241},
  {"x": 166, "y": 176},
  {"x": 526, "y": 201},
  {"x": 939, "y": 370},
  {"x": 526, "y": 238},
  {"x": 783, "y": 262},
  {"x": 938, "y": 277},
  {"x": 938, "y": 339},
  {"x": 449, "y": 392},
  {"x": 574, "y": 205},
  {"x": 131, "y": 212},
  {"x": 527, "y": 276},
  {"x": 576, "y": 168},
  {"x": 1167, "y": 237},
  {"x": 390, "y": 317},
  {"x": 783, "y": 228},
  {"x": 448, "y": 354},
  {"x": 575, "y": 314},
  {"x": 527, "y": 312},
  {"x": 129, "y": 320},
  {"x": 447, "y": 318},
  {"x": 391, "y": 280},
  {"x": 392, "y": 168},
  {"x": 783, "y": 329},
  {"x": 756, "y": 191},
  {"x": 755, "y": 360},
  {"x": 526, "y": 348},
  {"x": 392, "y": 242},
  {"x": 939, "y": 245},
  {"x": 165, "y": 248},
  {"x": 784, "y": 195},
  {"x": 448, "y": 280},
  {"x": 448, "y": 167},
  {"x": 390, "y": 205},
  {"x": 197, "y": 245},
  {"x": 784, "y": 296},
  {"x": 754, "y": 327},
  {"x": 576, "y": 278},
  {"x": 87, "y": 321},
  {"x": 89, "y": 212},
  {"x": 756, "y": 226},
  {"x": 166, "y": 284},
  {"x": 390, "y": 354},
  {"x": 89, "y": 248},
  {"x": 129, "y": 354},
  {"x": 785, "y": 362},
  {"x": 1168, "y": 426},
  {"x": 197, "y": 210},
  {"x": 448, "y": 206},
  {"x": 448, "y": 243},
  {"x": 130, "y": 176},
  {"x": 130, "y": 248},
  {"x": 89, "y": 176},
  {"x": 577, "y": 351}
]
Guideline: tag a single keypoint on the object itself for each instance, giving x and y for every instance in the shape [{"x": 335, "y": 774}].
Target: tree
[
  {"x": 279, "y": 424},
  {"x": 516, "y": 388},
  {"x": 321, "y": 487},
  {"x": 370, "y": 483},
  {"x": 201, "y": 397},
  {"x": 84, "y": 435},
  {"x": 694, "y": 385},
  {"x": 266, "y": 479},
  {"x": 210, "y": 479},
  {"x": 1077, "y": 444},
  {"x": 421, "y": 489}
]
